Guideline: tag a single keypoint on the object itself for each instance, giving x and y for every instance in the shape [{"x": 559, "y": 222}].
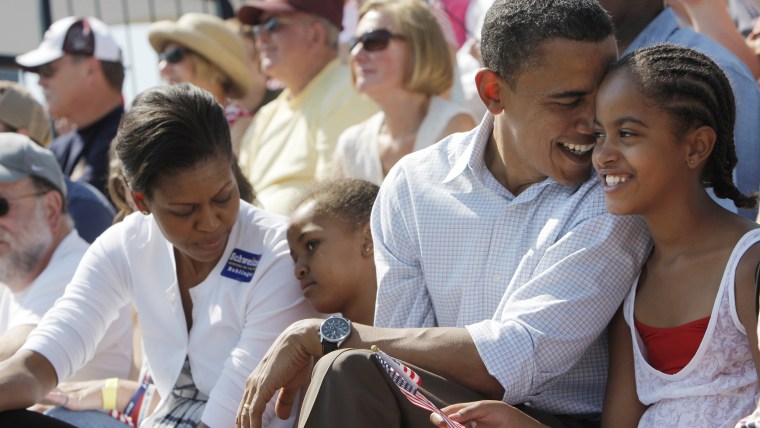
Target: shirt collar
[
  {"x": 318, "y": 81},
  {"x": 473, "y": 154},
  {"x": 473, "y": 158}
]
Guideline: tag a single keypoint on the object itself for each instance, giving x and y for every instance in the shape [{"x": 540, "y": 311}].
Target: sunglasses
[
  {"x": 271, "y": 25},
  {"x": 5, "y": 205},
  {"x": 173, "y": 55},
  {"x": 374, "y": 41}
]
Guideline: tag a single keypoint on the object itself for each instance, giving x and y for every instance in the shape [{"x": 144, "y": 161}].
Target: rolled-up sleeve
[{"x": 554, "y": 318}]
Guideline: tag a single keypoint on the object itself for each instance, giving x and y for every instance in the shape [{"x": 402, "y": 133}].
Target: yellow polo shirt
[{"x": 291, "y": 141}]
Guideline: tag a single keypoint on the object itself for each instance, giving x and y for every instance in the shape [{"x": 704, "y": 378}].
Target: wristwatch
[{"x": 333, "y": 332}]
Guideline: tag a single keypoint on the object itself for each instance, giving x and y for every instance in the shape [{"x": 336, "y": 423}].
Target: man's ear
[
  {"x": 489, "y": 89},
  {"x": 317, "y": 33},
  {"x": 53, "y": 208},
  {"x": 92, "y": 67},
  {"x": 700, "y": 144}
]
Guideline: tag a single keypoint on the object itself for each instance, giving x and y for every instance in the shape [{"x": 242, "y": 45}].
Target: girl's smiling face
[{"x": 639, "y": 156}]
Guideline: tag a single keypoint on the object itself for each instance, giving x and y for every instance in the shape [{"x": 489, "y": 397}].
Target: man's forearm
[{"x": 446, "y": 351}]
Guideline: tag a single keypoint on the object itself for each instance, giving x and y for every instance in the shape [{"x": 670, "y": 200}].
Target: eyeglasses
[
  {"x": 5, "y": 205},
  {"x": 173, "y": 55},
  {"x": 374, "y": 41},
  {"x": 271, "y": 25}
]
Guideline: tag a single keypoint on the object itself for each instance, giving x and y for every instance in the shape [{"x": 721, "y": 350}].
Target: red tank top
[{"x": 670, "y": 349}]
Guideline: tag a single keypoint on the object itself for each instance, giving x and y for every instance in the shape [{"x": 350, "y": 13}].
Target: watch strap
[{"x": 328, "y": 347}]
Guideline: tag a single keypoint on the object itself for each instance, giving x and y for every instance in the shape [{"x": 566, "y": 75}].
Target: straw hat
[
  {"x": 19, "y": 110},
  {"x": 209, "y": 37}
]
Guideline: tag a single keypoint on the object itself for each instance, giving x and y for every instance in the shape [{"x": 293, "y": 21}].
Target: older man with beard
[{"x": 39, "y": 252}]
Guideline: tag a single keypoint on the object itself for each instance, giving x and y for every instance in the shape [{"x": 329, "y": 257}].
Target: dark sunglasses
[
  {"x": 271, "y": 25},
  {"x": 173, "y": 55},
  {"x": 5, "y": 205},
  {"x": 374, "y": 40}
]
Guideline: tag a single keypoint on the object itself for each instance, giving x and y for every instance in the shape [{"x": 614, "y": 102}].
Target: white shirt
[
  {"x": 235, "y": 317},
  {"x": 719, "y": 384},
  {"x": 535, "y": 278},
  {"x": 358, "y": 153},
  {"x": 113, "y": 356}
]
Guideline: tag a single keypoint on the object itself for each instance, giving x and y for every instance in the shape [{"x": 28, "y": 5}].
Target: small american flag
[{"x": 408, "y": 382}]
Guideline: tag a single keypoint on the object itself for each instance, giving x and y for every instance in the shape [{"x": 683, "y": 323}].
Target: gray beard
[{"x": 24, "y": 257}]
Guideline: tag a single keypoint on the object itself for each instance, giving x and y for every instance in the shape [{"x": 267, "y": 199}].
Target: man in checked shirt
[{"x": 498, "y": 265}]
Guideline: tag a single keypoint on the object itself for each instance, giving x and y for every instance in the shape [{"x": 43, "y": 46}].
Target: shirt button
[{"x": 496, "y": 278}]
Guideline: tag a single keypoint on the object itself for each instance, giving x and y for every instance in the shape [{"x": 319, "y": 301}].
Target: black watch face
[{"x": 335, "y": 329}]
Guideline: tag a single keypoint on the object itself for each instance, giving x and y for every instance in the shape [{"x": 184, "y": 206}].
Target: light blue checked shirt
[{"x": 534, "y": 278}]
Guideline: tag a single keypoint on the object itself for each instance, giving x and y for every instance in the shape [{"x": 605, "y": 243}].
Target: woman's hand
[
  {"x": 86, "y": 395},
  {"x": 485, "y": 414}
]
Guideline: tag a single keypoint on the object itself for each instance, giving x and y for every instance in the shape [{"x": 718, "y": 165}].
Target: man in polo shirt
[
  {"x": 292, "y": 139},
  {"x": 80, "y": 70}
]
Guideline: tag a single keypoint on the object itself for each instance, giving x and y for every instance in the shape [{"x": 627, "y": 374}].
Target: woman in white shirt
[
  {"x": 400, "y": 59},
  {"x": 210, "y": 276}
]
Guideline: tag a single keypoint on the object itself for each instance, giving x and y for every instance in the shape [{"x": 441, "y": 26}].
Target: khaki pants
[{"x": 349, "y": 389}]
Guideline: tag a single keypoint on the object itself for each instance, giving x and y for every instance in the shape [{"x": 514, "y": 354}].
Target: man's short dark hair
[
  {"x": 112, "y": 71},
  {"x": 514, "y": 29}
]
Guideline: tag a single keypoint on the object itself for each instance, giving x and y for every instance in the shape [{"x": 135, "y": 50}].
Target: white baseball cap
[{"x": 73, "y": 35}]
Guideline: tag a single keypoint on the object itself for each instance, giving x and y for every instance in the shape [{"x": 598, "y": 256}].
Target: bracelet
[
  {"x": 109, "y": 393},
  {"x": 145, "y": 409},
  {"x": 137, "y": 397}
]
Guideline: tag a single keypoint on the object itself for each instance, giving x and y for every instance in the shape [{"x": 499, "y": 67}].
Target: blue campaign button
[{"x": 241, "y": 265}]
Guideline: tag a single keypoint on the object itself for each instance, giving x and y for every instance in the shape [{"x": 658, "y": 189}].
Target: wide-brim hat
[
  {"x": 209, "y": 37},
  {"x": 20, "y": 110},
  {"x": 332, "y": 10}
]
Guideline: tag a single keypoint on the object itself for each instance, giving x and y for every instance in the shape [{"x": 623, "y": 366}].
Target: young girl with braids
[{"x": 680, "y": 352}]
